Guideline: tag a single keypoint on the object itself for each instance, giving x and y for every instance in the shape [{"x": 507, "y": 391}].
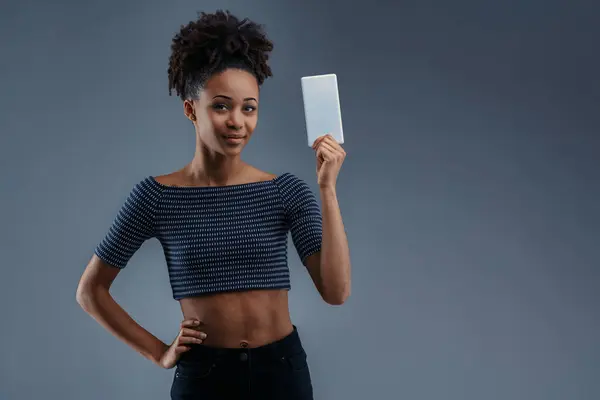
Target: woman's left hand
[{"x": 330, "y": 156}]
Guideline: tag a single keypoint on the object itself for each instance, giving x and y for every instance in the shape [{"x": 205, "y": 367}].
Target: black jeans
[{"x": 276, "y": 371}]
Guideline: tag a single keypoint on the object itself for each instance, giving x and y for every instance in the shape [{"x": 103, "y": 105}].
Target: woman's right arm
[{"x": 93, "y": 294}]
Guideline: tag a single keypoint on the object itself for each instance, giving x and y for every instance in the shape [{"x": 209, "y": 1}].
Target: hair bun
[
  {"x": 235, "y": 43},
  {"x": 212, "y": 43}
]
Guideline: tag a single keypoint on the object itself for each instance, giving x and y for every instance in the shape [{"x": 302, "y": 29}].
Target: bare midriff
[{"x": 240, "y": 319}]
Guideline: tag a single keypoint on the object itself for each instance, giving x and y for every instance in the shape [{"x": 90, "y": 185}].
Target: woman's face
[{"x": 226, "y": 112}]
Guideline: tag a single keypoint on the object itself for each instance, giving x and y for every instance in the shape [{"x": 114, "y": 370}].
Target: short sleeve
[
  {"x": 133, "y": 225},
  {"x": 303, "y": 215}
]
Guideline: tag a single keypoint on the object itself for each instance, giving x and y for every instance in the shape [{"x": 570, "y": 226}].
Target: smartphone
[{"x": 322, "y": 107}]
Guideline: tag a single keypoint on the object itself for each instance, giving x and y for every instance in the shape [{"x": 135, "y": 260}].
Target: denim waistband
[{"x": 277, "y": 349}]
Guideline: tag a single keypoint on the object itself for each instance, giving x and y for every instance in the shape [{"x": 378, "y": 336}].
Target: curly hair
[{"x": 213, "y": 43}]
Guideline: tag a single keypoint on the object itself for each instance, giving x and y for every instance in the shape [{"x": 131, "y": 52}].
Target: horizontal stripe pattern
[{"x": 218, "y": 238}]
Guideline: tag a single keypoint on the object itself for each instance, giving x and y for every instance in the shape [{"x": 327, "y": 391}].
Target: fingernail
[{"x": 203, "y": 335}]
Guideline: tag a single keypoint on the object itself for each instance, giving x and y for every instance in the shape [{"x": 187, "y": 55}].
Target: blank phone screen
[{"x": 322, "y": 107}]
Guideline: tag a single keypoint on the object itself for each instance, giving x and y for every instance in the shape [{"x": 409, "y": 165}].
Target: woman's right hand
[{"x": 188, "y": 334}]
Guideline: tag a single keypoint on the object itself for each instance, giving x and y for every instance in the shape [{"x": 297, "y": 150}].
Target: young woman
[{"x": 223, "y": 225}]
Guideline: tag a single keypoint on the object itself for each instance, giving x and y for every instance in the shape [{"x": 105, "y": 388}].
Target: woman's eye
[{"x": 224, "y": 107}]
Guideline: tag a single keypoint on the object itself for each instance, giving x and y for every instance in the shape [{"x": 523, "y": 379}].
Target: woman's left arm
[{"x": 330, "y": 267}]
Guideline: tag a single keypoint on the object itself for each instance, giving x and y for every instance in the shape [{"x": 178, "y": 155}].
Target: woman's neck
[{"x": 213, "y": 169}]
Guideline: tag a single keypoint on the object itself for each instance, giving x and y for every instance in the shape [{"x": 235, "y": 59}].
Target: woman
[{"x": 223, "y": 225}]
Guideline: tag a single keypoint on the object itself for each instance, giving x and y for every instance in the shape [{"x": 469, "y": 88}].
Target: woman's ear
[{"x": 188, "y": 110}]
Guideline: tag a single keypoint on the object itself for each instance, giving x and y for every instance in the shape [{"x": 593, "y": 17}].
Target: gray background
[{"x": 470, "y": 191}]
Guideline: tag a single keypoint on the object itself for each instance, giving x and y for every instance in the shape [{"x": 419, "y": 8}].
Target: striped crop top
[{"x": 218, "y": 238}]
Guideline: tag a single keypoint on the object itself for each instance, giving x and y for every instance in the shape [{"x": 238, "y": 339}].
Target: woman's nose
[
  {"x": 235, "y": 121},
  {"x": 234, "y": 126}
]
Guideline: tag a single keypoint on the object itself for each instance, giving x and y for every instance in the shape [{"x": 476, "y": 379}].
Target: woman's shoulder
[
  {"x": 170, "y": 179},
  {"x": 254, "y": 174}
]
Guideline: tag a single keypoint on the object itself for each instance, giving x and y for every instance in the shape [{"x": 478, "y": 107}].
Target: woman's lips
[{"x": 234, "y": 139}]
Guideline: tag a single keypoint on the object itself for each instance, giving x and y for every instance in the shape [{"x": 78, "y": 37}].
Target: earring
[{"x": 193, "y": 117}]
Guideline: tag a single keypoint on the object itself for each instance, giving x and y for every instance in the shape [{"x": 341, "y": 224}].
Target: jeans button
[{"x": 244, "y": 357}]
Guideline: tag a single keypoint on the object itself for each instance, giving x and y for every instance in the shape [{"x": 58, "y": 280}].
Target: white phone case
[{"x": 322, "y": 107}]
